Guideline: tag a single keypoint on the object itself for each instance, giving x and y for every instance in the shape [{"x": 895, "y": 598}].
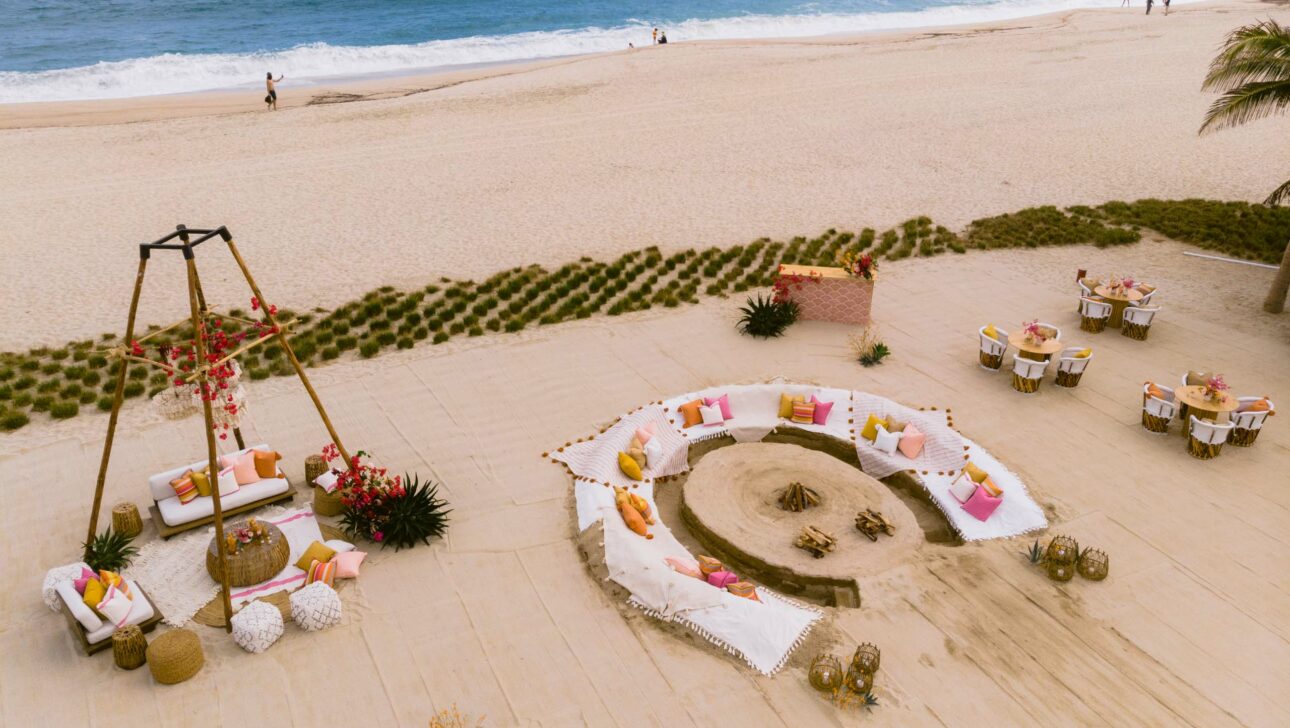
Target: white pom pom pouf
[
  {"x": 316, "y": 607},
  {"x": 257, "y": 626}
]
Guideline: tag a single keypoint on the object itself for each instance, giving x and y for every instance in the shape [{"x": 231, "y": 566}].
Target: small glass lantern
[
  {"x": 867, "y": 658},
  {"x": 825, "y": 674},
  {"x": 857, "y": 681},
  {"x": 1063, "y": 550},
  {"x": 1058, "y": 571},
  {"x": 1094, "y": 565}
]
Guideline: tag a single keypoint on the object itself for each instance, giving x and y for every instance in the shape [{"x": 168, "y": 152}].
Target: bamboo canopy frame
[{"x": 185, "y": 241}]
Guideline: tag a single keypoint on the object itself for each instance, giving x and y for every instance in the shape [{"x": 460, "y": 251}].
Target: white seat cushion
[
  {"x": 140, "y": 612},
  {"x": 175, "y": 513},
  {"x": 159, "y": 484},
  {"x": 76, "y": 605}
]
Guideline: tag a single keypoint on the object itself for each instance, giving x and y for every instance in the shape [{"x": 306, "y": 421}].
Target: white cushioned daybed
[
  {"x": 764, "y": 633},
  {"x": 93, "y": 631},
  {"x": 172, "y": 517}
]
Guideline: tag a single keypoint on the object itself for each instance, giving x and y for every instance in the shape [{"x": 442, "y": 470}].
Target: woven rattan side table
[
  {"x": 327, "y": 504},
  {"x": 129, "y": 647},
  {"x": 126, "y": 520},
  {"x": 254, "y": 562},
  {"x": 175, "y": 656},
  {"x": 314, "y": 466}
]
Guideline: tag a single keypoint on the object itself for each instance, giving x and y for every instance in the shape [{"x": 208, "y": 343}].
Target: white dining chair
[
  {"x": 1027, "y": 373},
  {"x": 1157, "y": 413},
  {"x": 1247, "y": 423},
  {"x": 1206, "y": 439},
  {"x": 992, "y": 350},
  {"x": 1137, "y": 322},
  {"x": 1071, "y": 367},
  {"x": 1093, "y": 315}
]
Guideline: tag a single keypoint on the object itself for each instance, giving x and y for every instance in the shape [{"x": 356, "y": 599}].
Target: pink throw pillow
[
  {"x": 86, "y": 575},
  {"x": 724, "y": 401},
  {"x": 347, "y": 564},
  {"x": 646, "y": 433},
  {"x": 912, "y": 443},
  {"x": 683, "y": 567},
  {"x": 243, "y": 468},
  {"x": 722, "y": 579},
  {"x": 822, "y": 409},
  {"x": 981, "y": 505}
]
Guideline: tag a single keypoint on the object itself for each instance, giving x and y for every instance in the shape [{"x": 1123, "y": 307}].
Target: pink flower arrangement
[
  {"x": 366, "y": 492},
  {"x": 783, "y": 288},
  {"x": 1216, "y": 388},
  {"x": 859, "y": 265},
  {"x": 1033, "y": 331}
]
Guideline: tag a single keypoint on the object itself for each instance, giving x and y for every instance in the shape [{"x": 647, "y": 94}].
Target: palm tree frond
[
  {"x": 1262, "y": 42},
  {"x": 1279, "y": 195},
  {"x": 1245, "y": 70},
  {"x": 1246, "y": 103}
]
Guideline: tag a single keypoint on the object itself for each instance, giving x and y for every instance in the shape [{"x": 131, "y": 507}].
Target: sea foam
[{"x": 179, "y": 73}]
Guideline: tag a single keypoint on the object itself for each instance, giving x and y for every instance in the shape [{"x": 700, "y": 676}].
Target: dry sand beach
[
  {"x": 690, "y": 145},
  {"x": 687, "y": 145}
]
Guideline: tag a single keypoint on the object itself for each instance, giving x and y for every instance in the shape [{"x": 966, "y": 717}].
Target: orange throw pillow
[
  {"x": 1261, "y": 405},
  {"x": 690, "y": 411},
  {"x": 1155, "y": 391},
  {"x": 631, "y": 516},
  {"x": 266, "y": 463}
]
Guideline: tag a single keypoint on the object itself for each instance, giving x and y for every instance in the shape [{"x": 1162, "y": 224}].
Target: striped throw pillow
[
  {"x": 324, "y": 571},
  {"x": 185, "y": 488},
  {"x": 804, "y": 412}
]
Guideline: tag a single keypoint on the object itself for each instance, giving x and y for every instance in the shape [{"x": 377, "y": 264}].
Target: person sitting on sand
[
  {"x": 662, "y": 38},
  {"x": 271, "y": 101}
]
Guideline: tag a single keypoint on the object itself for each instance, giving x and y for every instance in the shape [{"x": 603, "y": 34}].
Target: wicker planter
[
  {"x": 254, "y": 562},
  {"x": 126, "y": 520},
  {"x": 175, "y": 656},
  {"x": 129, "y": 647},
  {"x": 327, "y": 504},
  {"x": 314, "y": 466}
]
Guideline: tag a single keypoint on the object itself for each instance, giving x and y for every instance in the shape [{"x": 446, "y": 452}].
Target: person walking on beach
[
  {"x": 1149, "y": 4},
  {"x": 1166, "y": 7},
  {"x": 271, "y": 101},
  {"x": 655, "y": 39}
]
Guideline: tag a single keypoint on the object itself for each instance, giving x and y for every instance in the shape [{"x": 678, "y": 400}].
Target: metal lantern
[
  {"x": 825, "y": 674},
  {"x": 1058, "y": 571},
  {"x": 867, "y": 658},
  {"x": 1062, "y": 550},
  {"x": 1094, "y": 564},
  {"x": 858, "y": 681}
]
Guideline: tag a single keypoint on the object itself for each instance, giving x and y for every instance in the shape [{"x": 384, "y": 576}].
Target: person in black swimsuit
[{"x": 271, "y": 101}]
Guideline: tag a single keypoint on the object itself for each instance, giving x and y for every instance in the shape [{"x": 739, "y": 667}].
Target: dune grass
[{"x": 65, "y": 381}]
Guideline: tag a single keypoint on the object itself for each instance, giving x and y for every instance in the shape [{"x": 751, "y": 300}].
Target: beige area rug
[{"x": 212, "y": 614}]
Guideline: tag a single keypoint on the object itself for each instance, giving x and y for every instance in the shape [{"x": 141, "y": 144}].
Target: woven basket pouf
[
  {"x": 315, "y": 607},
  {"x": 126, "y": 520},
  {"x": 257, "y": 626},
  {"x": 327, "y": 504},
  {"x": 175, "y": 656},
  {"x": 314, "y": 466},
  {"x": 129, "y": 647}
]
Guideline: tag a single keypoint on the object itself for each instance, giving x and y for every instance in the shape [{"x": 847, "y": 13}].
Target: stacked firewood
[
  {"x": 871, "y": 523},
  {"x": 798, "y": 497},
  {"x": 816, "y": 541}
]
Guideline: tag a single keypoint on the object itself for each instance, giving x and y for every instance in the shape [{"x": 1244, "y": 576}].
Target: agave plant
[
  {"x": 870, "y": 700},
  {"x": 767, "y": 317},
  {"x": 417, "y": 516},
  {"x": 109, "y": 551},
  {"x": 875, "y": 354},
  {"x": 1036, "y": 553}
]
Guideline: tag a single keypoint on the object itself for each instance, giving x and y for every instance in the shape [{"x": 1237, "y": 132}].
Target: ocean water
[{"x": 53, "y": 50}]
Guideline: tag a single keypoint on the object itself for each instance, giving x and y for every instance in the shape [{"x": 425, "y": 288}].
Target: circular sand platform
[{"x": 731, "y": 504}]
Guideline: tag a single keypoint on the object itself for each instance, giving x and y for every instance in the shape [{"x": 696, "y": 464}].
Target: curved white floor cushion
[
  {"x": 315, "y": 607},
  {"x": 257, "y": 626}
]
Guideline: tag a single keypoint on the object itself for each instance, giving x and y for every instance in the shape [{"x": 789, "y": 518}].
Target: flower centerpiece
[
  {"x": 387, "y": 509},
  {"x": 1215, "y": 388},
  {"x": 858, "y": 265},
  {"x": 1035, "y": 334}
]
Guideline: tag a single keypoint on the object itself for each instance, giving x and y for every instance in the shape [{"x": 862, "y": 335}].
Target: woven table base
[{"x": 129, "y": 647}]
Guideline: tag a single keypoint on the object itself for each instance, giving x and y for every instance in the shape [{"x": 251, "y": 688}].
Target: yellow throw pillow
[
  {"x": 870, "y": 429},
  {"x": 629, "y": 466},
  {"x": 317, "y": 551},
  {"x": 786, "y": 405},
  {"x": 202, "y": 479},
  {"x": 895, "y": 425},
  {"x": 1083, "y": 353},
  {"x": 991, "y": 488},
  {"x": 94, "y": 591},
  {"x": 990, "y": 331},
  {"x": 976, "y": 474},
  {"x": 690, "y": 411}
]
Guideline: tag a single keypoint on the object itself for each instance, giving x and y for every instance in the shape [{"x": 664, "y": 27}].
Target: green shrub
[
  {"x": 259, "y": 373},
  {"x": 407, "y": 342},
  {"x": 87, "y": 397},
  {"x": 64, "y": 409},
  {"x": 105, "y": 403},
  {"x": 12, "y": 420},
  {"x": 42, "y": 403},
  {"x": 29, "y": 365},
  {"x": 386, "y": 338},
  {"x": 47, "y": 385},
  {"x": 765, "y": 317},
  {"x": 133, "y": 389},
  {"x": 330, "y": 352},
  {"x": 440, "y": 337},
  {"x": 59, "y": 354},
  {"x": 50, "y": 367},
  {"x": 370, "y": 348}
]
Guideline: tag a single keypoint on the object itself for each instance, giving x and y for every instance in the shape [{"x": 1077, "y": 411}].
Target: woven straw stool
[
  {"x": 327, "y": 504},
  {"x": 314, "y": 466},
  {"x": 129, "y": 647},
  {"x": 126, "y": 520},
  {"x": 175, "y": 656}
]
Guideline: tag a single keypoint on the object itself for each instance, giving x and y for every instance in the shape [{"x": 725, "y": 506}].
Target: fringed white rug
[{"x": 174, "y": 575}]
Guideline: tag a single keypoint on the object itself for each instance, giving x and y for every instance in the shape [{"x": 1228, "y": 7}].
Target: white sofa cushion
[
  {"x": 175, "y": 513},
  {"x": 159, "y": 484},
  {"x": 76, "y": 605}
]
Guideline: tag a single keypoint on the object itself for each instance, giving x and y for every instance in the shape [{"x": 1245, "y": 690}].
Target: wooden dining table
[
  {"x": 1194, "y": 399},
  {"x": 1119, "y": 300},
  {"x": 1039, "y": 351}
]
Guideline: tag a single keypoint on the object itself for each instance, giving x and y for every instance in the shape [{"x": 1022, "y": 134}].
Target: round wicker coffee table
[{"x": 254, "y": 562}]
